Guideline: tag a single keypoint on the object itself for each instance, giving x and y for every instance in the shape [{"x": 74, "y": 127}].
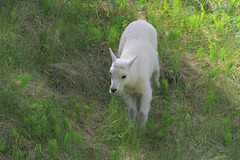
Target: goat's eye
[{"x": 124, "y": 77}]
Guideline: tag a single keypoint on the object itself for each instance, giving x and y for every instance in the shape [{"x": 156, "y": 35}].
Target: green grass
[{"x": 54, "y": 62}]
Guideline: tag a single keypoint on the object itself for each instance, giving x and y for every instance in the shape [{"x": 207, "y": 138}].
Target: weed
[
  {"x": 52, "y": 148},
  {"x": 194, "y": 20},
  {"x": 2, "y": 145},
  {"x": 213, "y": 49},
  {"x": 229, "y": 66},
  {"x": 226, "y": 133},
  {"x": 210, "y": 101},
  {"x": 44, "y": 125},
  {"x": 13, "y": 14},
  {"x": 20, "y": 155},
  {"x": 47, "y": 6},
  {"x": 86, "y": 110},
  {"x": 167, "y": 120},
  {"x": 113, "y": 35},
  {"x": 67, "y": 124},
  {"x": 57, "y": 131},
  {"x": 66, "y": 140},
  {"x": 164, "y": 85},
  {"x": 38, "y": 151},
  {"x": 78, "y": 141},
  {"x": 21, "y": 82}
]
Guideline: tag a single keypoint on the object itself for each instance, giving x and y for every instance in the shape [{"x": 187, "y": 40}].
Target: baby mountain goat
[{"x": 131, "y": 72}]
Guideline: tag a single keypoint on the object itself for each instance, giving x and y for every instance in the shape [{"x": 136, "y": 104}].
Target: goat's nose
[{"x": 113, "y": 90}]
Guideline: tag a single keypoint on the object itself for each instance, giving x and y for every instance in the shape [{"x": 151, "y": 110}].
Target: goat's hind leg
[{"x": 131, "y": 101}]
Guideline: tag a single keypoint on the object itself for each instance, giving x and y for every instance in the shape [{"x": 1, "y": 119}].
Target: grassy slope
[{"x": 54, "y": 99}]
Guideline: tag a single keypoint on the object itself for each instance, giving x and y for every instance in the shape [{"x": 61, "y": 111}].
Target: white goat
[{"x": 131, "y": 72}]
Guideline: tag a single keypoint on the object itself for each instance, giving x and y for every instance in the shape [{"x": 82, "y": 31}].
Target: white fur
[{"x": 138, "y": 60}]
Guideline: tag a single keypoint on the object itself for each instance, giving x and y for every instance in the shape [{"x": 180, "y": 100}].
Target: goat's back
[{"x": 139, "y": 30}]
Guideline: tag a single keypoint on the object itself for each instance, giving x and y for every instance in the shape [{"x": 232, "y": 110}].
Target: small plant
[
  {"x": 113, "y": 36},
  {"x": 203, "y": 11},
  {"x": 94, "y": 35},
  {"x": 127, "y": 134},
  {"x": 164, "y": 85},
  {"x": 60, "y": 29},
  {"x": 86, "y": 110},
  {"x": 210, "y": 101},
  {"x": 44, "y": 125},
  {"x": 214, "y": 72},
  {"x": 116, "y": 119},
  {"x": 67, "y": 124},
  {"x": 47, "y": 6},
  {"x": 20, "y": 155},
  {"x": 167, "y": 120},
  {"x": 38, "y": 130},
  {"x": 226, "y": 133},
  {"x": 115, "y": 154},
  {"x": 21, "y": 82},
  {"x": 52, "y": 148},
  {"x": 2, "y": 145},
  {"x": 141, "y": 2},
  {"x": 177, "y": 8},
  {"x": 194, "y": 21},
  {"x": 223, "y": 54},
  {"x": 73, "y": 102},
  {"x": 177, "y": 151},
  {"x": 54, "y": 119},
  {"x": 57, "y": 131},
  {"x": 213, "y": 49},
  {"x": 174, "y": 34},
  {"x": 229, "y": 66},
  {"x": 175, "y": 66},
  {"x": 38, "y": 151},
  {"x": 14, "y": 14},
  {"x": 232, "y": 5},
  {"x": 66, "y": 140},
  {"x": 78, "y": 140},
  {"x": 76, "y": 107},
  {"x": 200, "y": 53}
]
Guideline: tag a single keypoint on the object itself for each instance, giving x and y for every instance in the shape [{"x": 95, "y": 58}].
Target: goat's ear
[
  {"x": 131, "y": 62},
  {"x": 114, "y": 58}
]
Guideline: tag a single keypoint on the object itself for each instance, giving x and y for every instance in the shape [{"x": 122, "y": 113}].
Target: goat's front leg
[
  {"x": 131, "y": 102},
  {"x": 145, "y": 105}
]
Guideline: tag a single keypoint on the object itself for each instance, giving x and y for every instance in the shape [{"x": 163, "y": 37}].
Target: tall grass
[{"x": 54, "y": 61}]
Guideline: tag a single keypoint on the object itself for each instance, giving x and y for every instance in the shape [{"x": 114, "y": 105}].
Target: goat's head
[{"x": 119, "y": 72}]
